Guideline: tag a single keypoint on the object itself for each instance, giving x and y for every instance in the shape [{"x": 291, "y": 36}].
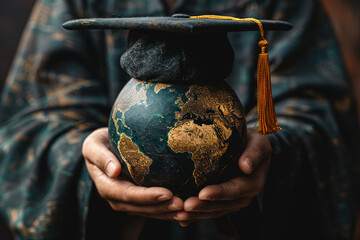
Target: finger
[
  {"x": 234, "y": 189},
  {"x": 173, "y": 205},
  {"x": 184, "y": 224},
  {"x": 257, "y": 149},
  {"x": 205, "y": 215},
  {"x": 237, "y": 188},
  {"x": 124, "y": 191},
  {"x": 96, "y": 150},
  {"x": 169, "y": 216},
  {"x": 196, "y": 205},
  {"x": 186, "y": 217}
]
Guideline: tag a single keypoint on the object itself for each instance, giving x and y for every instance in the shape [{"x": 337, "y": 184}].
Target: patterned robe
[{"x": 62, "y": 85}]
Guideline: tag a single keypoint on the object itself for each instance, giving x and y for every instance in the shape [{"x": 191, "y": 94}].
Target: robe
[{"x": 62, "y": 85}]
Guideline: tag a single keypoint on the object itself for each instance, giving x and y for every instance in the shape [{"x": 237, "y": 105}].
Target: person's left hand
[{"x": 217, "y": 200}]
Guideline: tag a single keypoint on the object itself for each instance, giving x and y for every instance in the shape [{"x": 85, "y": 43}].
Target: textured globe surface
[{"x": 181, "y": 137}]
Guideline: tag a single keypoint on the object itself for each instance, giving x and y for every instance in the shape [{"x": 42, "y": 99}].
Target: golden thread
[{"x": 267, "y": 119}]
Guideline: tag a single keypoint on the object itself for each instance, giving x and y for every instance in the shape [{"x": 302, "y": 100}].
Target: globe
[{"x": 181, "y": 137}]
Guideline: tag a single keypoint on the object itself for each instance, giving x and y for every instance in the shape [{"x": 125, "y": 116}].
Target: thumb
[
  {"x": 96, "y": 151},
  {"x": 258, "y": 149}
]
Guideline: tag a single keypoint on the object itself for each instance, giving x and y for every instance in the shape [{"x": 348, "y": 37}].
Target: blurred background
[
  {"x": 13, "y": 17},
  {"x": 344, "y": 15}
]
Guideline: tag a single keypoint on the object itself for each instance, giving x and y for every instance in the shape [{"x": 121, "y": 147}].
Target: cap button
[{"x": 180, "y": 15}]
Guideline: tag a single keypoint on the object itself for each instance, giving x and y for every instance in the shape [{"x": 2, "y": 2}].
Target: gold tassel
[
  {"x": 266, "y": 111},
  {"x": 267, "y": 119}
]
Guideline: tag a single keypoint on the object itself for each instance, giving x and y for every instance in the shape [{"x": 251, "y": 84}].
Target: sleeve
[
  {"x": 312, "y": 157},
  {"x": 53, "y": 98},
  {"x": 311, "y": 164}
]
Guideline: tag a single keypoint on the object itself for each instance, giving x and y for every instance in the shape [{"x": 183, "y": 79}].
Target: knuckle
[{"x": 99, "y": 159}]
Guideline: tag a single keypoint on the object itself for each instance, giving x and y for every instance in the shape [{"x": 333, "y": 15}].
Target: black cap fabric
[
  {"x": 177, "y": 49},
  {"x": 178, "y": 58}
]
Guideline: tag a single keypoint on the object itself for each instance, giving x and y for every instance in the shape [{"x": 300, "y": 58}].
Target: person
[{"x": 60, "y": 181}]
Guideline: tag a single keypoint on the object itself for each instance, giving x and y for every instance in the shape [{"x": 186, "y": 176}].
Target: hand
[
  {"x": 104, "y": 168},
  {"x": 217, "y": 200}
]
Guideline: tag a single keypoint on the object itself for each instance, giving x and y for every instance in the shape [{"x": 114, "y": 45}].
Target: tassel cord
[{"x": 267, "y": 120}]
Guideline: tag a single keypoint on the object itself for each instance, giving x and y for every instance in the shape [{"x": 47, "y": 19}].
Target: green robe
[{"x": 62, "y": 85}]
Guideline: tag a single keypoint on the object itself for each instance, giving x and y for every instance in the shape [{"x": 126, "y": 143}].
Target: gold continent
[
  {"x": 206, "y": 142},
  {"x": 160, "y": 86},
  {"x": 137, "y": 163},
  {"x": 202, "y": 142},
  {"x": 130, "y": 96},
  {"x": 133, "y": 94}
]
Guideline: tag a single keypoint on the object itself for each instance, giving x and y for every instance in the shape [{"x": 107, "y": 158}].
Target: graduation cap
[{"x": 190, "y": 49}]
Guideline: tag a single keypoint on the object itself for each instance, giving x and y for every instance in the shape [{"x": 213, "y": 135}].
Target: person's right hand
[{"x": 122, "y": 195}]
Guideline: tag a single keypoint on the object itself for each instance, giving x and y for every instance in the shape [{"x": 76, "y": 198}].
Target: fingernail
[
  {"x": 249, "y": 164},
  {"x": 191, "y": 209},
  {"x": 183, "y": 224},
  {"x": 110, "y": 169},
  {"x": 206, "y": 197},
  {"x": 163, "y": 198},
  {"x": 173, "y": 206}
]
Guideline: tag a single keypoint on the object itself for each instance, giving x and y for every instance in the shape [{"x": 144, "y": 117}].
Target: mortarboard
[{"x": 193, "y": 49}]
